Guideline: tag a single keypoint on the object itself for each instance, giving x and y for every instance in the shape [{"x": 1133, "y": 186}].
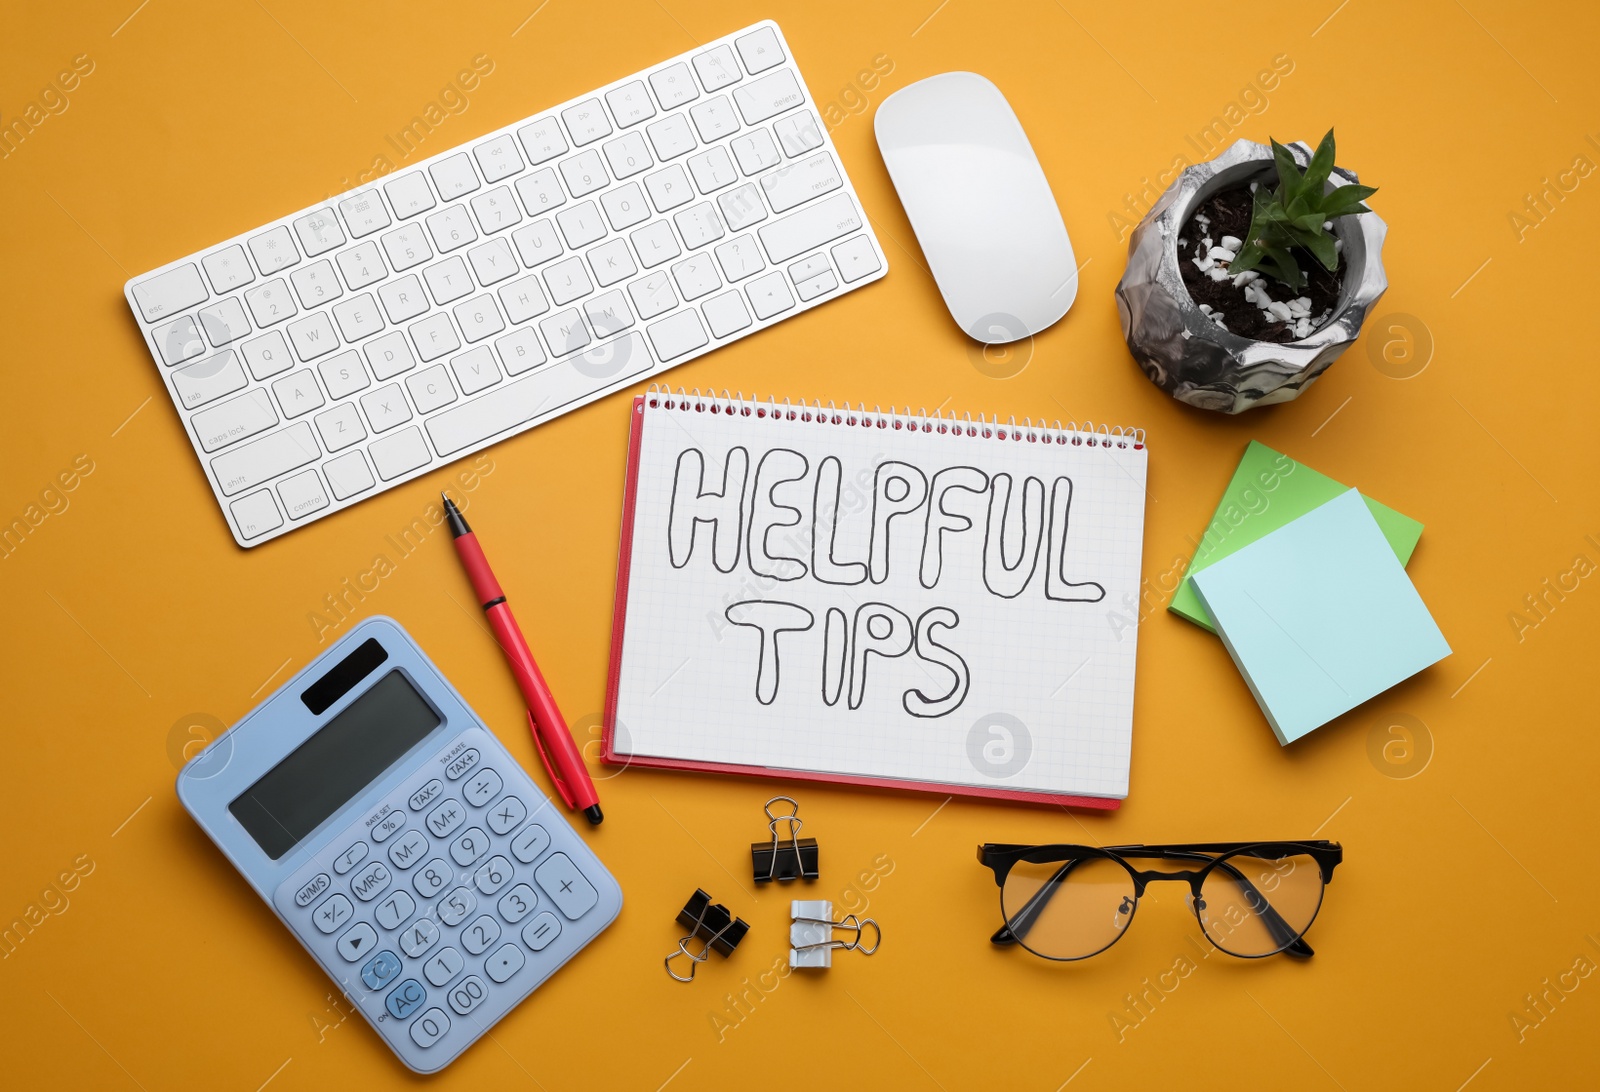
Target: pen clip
[{"x": 567, "y": 797}]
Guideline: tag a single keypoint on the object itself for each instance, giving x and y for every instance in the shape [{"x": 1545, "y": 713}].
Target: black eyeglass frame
[{"x": 1002, "y": 857}]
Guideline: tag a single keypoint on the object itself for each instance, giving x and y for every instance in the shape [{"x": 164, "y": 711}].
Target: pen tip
[{"x": 592, "y": 813}]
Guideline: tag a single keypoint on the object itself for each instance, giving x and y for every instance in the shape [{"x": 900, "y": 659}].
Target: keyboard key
[
  {"x": 581, "y": 224},
  {"x": 625, "y": 206},
  {"x": 358, "y": 318},
  {"x": 334, "y": 912},
  {"x": 350, "y": 858},
  {"x": 669, "y": 188},
  {"x": 517, "y": 903},
  {"x": 274, "y": 250},
  {"x": 403, "y": 299},
  {"x": 806, "y": 268},
  {"x": 714, "y": 118},
  {"x": 302, "y": 494},
  {"x": 630, "y": 104},
  {"x": 567, "y": 281},
  {"x": 451, "y": 228},
  {"x": 671, "y": 136},
  {"x": 454, "y": 176},
  {"x": 586, "y": 122},
  {"x": 717, "y": 68},
  {"x": 395, "y": 910},
  {"x": 319, "y": 232},
  {"x": 468, "y": 848},
  {"x": 696, "y": 277},
  {"x": 385, "y": 408},
  {"x": 739, "y": 258},
  {"x": 454, "y": 907},
  {"x": 432, "y": 877},
  {"x": 542, "y": 140},
  {"x": 445, "y": 818},
  {"x": 798, "y": 133},
  {"x": 364, "y": 213},
  {"x": 311, "y": 889},
  {"x": 175, "y": 290},
  {"x": 478, "y": 318},
  {"x": 270, "y": 302},
  {"x": 406, "y": 999},
  {"x": 712, "y": 169},
  {"x": 178, "y": 340},
  {"x": 531, "y": 841},
  {"x": 497, "y": 158},
  {"x": 256, "y": 514},
  {"x": 477, "y": 937},
  {"x": 408, "y": 849},
  {"x": 267, "y": 356},
  {"x": 426, "y": 795},
  {"x": 418, "y": 937},
  {"x": 381, "y": 969},
  {"x": 469, "y": 993},
  {"x": 520, "y": 350},
  {"x": 541, "y": 191},
  {"x": 759, "y": 50},
  {"x": 504, "y": 963},
  {"x": 390, "y": 355},
  {"x": 392, "y": 822},
  {"x": 769, "y": 295},
  {"x": 809, "y": 228},
  {"x": 313, "y": 336},
  {"x": 801, "y": 181},
  {"x": 234, "y": 420},
  {"x": 315, "y": 284},
  {"x": 409, "y": 194},
  {"x": 523, "y": 299},
  {"x": 611, "y": 263},
  {"x": 482, "y": 787},
  {"x": 371, "y": 881},
  {"x": 755, "y": 151},
  {"x": 430, "y": 1027},
  {"x": 537, "y": 243},
  {"x": 463, "y": 764},
  {"x": 655, "y": 243},
  {"x": 856, "y": 258},
  {"x": 406, "y": 246},
  {"x": 768, "y": 97},
  {"x": 564, "y": 331},
  {"x": 559, "y": 878},
  {"x": 475, "y": 370},
  {"x": 496, "y": 210},
  {"x": 608, "y": 313},
  {"x": 742, "y": 207},
  {"x": 434, "y": 336},
  {"x": 539, "y": 932},
  {"x": 224, "y": 321},
  {"x": 340, "y": 427},
  {"x": 682, "y": 333},
  {"x": 209, "y": 379},
  {"x": 673, "y": 86},
  {"x": 444, "y": 965},
  {"x": 228, "y": 268},
  {"x": 726, "y": 314},
  {"x": 652, "y": 295},
  {"x": 448, "y": 280},
  {"x": 545, "y": 391},
  {"x": 698, "y": 225},
  {"x": 492, "y": 875},
  {"x": 627, "y": 155},
  {"x": 820, "y": 285},
  {"x": 358, "y": 941},
  {"x": 399, "y": 453},
  {"x": 348, "y": 475}
]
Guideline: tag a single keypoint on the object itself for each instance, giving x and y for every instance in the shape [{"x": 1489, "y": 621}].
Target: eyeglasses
[{"x": 1252, "y": 899}]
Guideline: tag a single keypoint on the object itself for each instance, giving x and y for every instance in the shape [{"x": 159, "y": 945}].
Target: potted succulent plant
[{"x": 1250, "y": 275}]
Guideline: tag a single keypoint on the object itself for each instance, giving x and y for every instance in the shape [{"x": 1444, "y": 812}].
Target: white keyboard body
[{"x": 364, "y": 341}]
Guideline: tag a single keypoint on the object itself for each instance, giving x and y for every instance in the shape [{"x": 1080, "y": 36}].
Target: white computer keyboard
[{"x": 356, "y": 344}]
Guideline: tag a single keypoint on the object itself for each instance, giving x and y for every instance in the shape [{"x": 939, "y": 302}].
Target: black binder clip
[
  {"x": 710, "y": 922},
  {"x": 784, "y": 859}
]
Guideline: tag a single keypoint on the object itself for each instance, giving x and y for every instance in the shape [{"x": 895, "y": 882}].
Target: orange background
[{"x": 131, "y": 615}]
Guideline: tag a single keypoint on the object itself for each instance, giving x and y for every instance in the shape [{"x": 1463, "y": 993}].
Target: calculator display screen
[{"x": 326, "y": 771}]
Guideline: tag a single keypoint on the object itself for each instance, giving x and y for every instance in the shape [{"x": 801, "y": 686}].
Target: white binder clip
[{"x": 811, "y": 936}]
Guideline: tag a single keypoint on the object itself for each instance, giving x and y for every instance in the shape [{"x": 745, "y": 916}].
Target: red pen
[{"x": 550, "y": 733}]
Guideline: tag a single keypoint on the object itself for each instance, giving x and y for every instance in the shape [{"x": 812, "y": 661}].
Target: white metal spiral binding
[{"x": 1087, "y": 434}]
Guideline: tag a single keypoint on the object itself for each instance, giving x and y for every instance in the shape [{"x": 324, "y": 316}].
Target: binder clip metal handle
[
  {"x": 811, "y": 936},
  {"x": 786, "y": 858}
]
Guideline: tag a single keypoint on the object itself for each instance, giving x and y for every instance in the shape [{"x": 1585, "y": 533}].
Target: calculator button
[
  {"x": 370, "y": 882},
  {"x": 573, "y": 895},
  {"x": 444, "y": 966},
  {"x": 507, "y": 814},
  {"x": 432, "y": 877},
  {"x": 462, "y": 763},
  {"x": 517, "y": 903},
  {"x": 446, "y": 818},
  {"x": 395, "y": 909},
  {"x": 539, "y": 932},
  {"x": 495, "y": 874},
  {"x": 430, "y": 1028},
  {"x": 408, "y": 850},
  {"x": 484, "y": 787},
  {"x": 470, "y": 846},
  {"x": 418, "y": 937},
  {"x": 405, "y": 999},
  {"x": 504, "y": 963},
  {"x": 469, "y": 994},
  {"x": 477, "y": 937},
  {"x": 333, "y": 913},
  {"x": 380, "y": 970},
  {"x": 391, "y": 823},
  {"x": 455, "y": 907},
  {"x": 426, "y": 795},
  {"x": 531, "y": 842},
  {"x": 351, "y": 857},
  {"x": 357, "y": 942},
  {"x": 313, "y": 887}
]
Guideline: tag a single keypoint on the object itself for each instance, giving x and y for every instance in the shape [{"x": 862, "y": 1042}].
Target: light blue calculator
[{"x": 400, "y": 843}]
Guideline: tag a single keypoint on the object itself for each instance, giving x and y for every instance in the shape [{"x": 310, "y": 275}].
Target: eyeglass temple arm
[{"x": 1017, "y": 927}]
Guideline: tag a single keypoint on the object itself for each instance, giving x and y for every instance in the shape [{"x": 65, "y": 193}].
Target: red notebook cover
[{"x": 612, "y": 757}]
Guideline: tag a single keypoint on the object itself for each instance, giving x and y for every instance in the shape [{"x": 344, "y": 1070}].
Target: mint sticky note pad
[{"x": 1320, "y": 616}]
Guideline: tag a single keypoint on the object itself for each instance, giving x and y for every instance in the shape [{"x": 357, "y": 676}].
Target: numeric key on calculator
[{"x": 470, "y": 846}]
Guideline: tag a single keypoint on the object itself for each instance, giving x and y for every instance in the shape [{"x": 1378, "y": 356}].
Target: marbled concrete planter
[{"x": 1189, "y": 356}]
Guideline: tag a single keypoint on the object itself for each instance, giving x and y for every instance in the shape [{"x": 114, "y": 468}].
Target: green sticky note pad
[{"x": 1269, "y": 491}]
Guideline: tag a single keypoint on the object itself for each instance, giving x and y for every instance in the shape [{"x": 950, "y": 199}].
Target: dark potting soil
[{"x": 1229, "y": 214}]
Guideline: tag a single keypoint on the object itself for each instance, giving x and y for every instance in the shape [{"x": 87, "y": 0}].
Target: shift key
[
  {"x": 808, "y": 229},
  {"x": 264, "y": 459}
]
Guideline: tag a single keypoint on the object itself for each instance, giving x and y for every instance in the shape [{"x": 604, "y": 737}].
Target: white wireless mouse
[{"x": 980, "y": 206}]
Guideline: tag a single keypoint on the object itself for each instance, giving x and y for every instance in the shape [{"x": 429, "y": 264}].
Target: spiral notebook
[{"x": 878, "y": 598}]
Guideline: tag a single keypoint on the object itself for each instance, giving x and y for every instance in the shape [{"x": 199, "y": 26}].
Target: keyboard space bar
[{"x": 540, "y": 393}]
